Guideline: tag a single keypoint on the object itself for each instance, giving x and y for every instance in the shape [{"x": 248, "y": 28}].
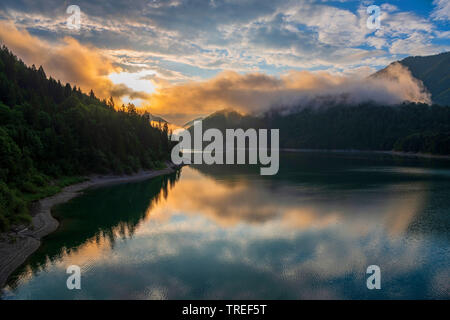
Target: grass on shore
[
  {"x": 13, "y": 200},
  {"x": 52, "y": 188},
  {"x": 16, "y": 200}
]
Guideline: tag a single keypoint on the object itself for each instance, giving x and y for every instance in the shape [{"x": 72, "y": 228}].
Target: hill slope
[
  {"x": 49, "y": 131},
  {"x": 434, "y": 72},
  {"x": 408, "y": 127}
]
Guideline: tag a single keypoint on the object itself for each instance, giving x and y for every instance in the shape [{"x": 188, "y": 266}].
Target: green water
[{"x": 213, "y": 232}]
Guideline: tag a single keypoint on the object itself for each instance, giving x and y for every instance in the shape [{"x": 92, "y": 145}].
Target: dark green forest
[
  {"x": 51, "y": 134},
  {"x": 406, "y": 127},
  {"x": 409, "y": 127}
]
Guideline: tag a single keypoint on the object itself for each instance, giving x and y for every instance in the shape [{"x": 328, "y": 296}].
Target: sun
[{"x": 138, "y": 81}]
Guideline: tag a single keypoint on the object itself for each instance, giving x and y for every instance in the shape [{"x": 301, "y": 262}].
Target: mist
[{"x": 257, "y": 93}]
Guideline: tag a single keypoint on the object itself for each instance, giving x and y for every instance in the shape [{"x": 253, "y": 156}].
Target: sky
[{"x": 187, "y": 58}]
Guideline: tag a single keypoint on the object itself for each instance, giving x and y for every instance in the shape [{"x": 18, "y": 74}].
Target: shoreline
[
  {"x": 392, "y": 153},
  {"x": 28, "y": 240}
]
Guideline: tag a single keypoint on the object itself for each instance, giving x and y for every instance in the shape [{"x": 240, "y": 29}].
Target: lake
[{"x": 225, "y": 232}]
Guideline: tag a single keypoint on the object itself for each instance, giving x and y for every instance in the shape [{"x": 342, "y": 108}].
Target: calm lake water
[{"x": 213, "y": 232}]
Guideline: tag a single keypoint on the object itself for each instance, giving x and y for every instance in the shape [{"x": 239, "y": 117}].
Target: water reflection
[
  {"x": 226, "y": 232},
  {"x": 106, "y": 214}
]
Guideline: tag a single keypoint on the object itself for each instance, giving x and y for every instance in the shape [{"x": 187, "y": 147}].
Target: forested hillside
[
  {"x": 408, "y": 127},
  {"x": 434, "y": 72},
  {"x": 367, "y": 127},
  {"x": 50, "y": 133}
]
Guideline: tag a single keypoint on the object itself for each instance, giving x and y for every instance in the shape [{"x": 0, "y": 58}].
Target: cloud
[
  {"x": 442, "y": 10},
  {"x": 333, "y": 26},
  {"x": 414, "y": 44},
  {"x": 389, "y": 7},
  {"x": 405, "y": 33},
  {"x": 201, "y": 38},
  {"x": 185, "y": 42},
  {"x": 257, "y": 92},
  {"x": 68, "y": 61}
]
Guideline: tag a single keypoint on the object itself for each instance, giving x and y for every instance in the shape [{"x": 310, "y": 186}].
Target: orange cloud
[
  {"x": 68, "y": 61},
  {"x": 256, "y": 92}
]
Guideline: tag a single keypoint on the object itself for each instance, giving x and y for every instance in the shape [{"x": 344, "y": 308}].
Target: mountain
[
  {"x": 228, "y": 118},
  {"x": 191, "y": 123},
  {"x": 433, "y": 71},
  {"x": 407, "y": 127}
]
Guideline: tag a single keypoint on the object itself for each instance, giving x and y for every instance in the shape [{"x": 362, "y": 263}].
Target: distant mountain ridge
[
  {"x": 408, "y": 127},
  {"x": 191, "y": 123},
  {"x": 433, "y": 71}
]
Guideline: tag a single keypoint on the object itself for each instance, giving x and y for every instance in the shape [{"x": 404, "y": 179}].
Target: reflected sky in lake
[{"x": 213, "y": 232}]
